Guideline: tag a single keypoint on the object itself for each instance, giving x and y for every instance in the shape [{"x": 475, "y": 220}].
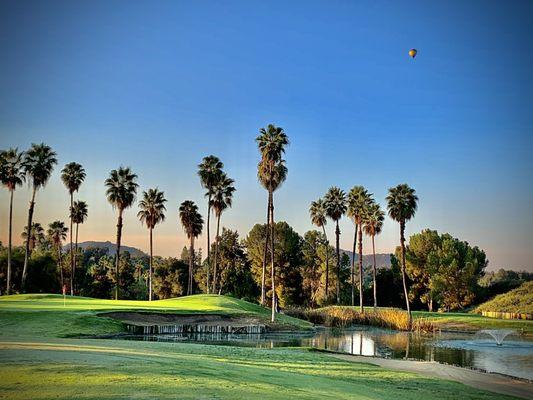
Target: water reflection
[{"x": 513, "y": 358}]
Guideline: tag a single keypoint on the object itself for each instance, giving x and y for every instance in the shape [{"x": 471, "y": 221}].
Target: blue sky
[{"x": 158, "y": 85}]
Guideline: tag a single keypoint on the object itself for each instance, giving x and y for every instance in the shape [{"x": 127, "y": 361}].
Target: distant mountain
[
  {"x": 111, "y": 248},
  {"x": 382, "y": 259}
]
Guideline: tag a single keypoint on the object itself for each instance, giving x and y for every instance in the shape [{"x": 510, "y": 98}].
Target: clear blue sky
[{"x": 158, "y": 85}]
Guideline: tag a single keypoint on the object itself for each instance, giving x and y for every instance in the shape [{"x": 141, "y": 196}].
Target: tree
[
  {"x": 38, "y": 164},
  {"x": 11, "y": 176},
  {"x": 272, "y": 142},
  {"x": 170, "y": 277},
  {"x": 78, "y": 215},
  {"x": 36, "y": 235},
  {"x": 315, "y": 250},
  {"x": 57, "y": 232},
  {"x": 318, "y": 213},
  {"x": 192, "y": 223},
  {"x": 373, "y": 223},
  {"x": 402, "y": 204},
  {"x": 209, "y": 171},
  {"x": 121, "y": 190},
  {"x": 152, "y": 212},
  {"x": 335, "y": 201},
  {"x": 222, "y": 197},
  {"x": 72, "y": 176},
  {"x": 359, "y": 201}
]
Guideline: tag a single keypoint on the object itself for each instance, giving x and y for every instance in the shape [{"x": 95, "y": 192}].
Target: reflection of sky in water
[{"x": 514, "y": 358}]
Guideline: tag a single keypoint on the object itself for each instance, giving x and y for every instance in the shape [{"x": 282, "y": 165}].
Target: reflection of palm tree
[
  {"x": 57, "y": 232},
  {"x": 192, "y": 223},
  {"x": 318, "y": 213},
  {"x": 79, "y": 214},
  {"x": 373, "y": 224},
  {"x": 11, "y": 176}
]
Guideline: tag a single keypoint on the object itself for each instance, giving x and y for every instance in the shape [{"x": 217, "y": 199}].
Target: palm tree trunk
[
  {"x": 191, "y": 262},
  {"x": 27, "y": 253},
  {"x": 338, "y": 235},
  {"x": 361, "y": 308},
  {"x": 208, "y": 241},
  {"x": 150, "y": 271},
  {"x": 71, "y": 252},
  {"x": 272, "y": 271},
  {"x": 60, "y": 265},
  {"x": 76, "y": 251},
  {"x": 117, "y": 255},
  {"x": 267, "y": 236},
  {"x": 8, "y": 289},
  {"x": 374, "y": 273},
  {"x": 353, "y": 265},
  {"x": 215, "y": 271},
  {"x": 327, "y": 261},
  {"x": 404, "y": 279}
]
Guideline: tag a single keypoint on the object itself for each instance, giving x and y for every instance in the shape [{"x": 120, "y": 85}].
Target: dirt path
[{"x": 480, "y": 380}]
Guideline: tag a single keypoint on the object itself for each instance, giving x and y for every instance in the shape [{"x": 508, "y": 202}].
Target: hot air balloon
[{"x": 412, "y": 53}]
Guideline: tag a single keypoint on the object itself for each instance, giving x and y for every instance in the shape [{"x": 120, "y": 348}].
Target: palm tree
[
  {"x": 78, "y": 215},
  {"x": 11, "y": 176},
  {"x": 36, "y": 236},
  {"x": 271, "y": 182},
  {"x": 335, "y": 201},
  {"x": 209, "y": 171},
  {"x": 57, "y": 232},
  {"x": 152, "y": 212},
  {"x": 72, "y": 176},
  {"x": 38, "y": 165},
  {"x": 222, "y": 199},
  {"x": 358, "y": 202},
  {"x": 318, "y": 213},
  {"x": 271, "y": 142},
  {"x": 402, "y": 205},
  {"x": 373, "y": 222},
  {"x": 121, "y": 190},
  {"x": 192, "y": 223}
]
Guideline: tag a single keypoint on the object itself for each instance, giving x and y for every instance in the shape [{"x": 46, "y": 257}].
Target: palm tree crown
[
  {"x": 57, "y": 232},
  {"x": 271, "y": 179},
  {"x": 121, "y": 187},
  {"x": 152, "y": 208},
  {"x": 373, "y": 220},
  {"x": 79, "y": 212},
  {"x": 271, "y": 142},
  {"x": 359, "y": 200},
  {"x": 335, "y": 202},
  {"x": 11, "y": 171},
  {"x": 37, "y": 234},
  {"x": 222, "y": 194},
  {"x": 209, "y": 171},
  {"x": 318, "y": 213},
  {"x": 191, "y": 219},
  {"x": 39, "y": 163},
  {"x": 402, "y": 202},
  {"x": 72, "y": 176}
]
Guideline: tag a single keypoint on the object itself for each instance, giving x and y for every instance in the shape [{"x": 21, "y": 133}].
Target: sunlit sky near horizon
[{"x": 158, "y": 85}]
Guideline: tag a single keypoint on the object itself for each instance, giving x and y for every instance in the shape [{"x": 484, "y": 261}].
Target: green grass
[{"x": 519, "y": 300}]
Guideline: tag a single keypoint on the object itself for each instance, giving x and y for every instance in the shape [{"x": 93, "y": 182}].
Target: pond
[{"x": 514, "y": 357}]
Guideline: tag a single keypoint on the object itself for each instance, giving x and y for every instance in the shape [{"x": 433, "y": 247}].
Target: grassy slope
[{"x": 519, "y": 300}]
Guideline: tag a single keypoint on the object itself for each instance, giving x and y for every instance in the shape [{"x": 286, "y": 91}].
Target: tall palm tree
[
  {"x": 72, "y": 176},
  {"x": 57, "y": 232},
  {"x": 210, "y": 172},
  {"x": 78, "y": 215},
  {"x": 271, "y": 142},
  {"x": 271, "y": 182},
  {"x": 38, "y": 164},
  {"x": 335, "y": 201},
  {"x": 402, "y": 204},
  {"x": 36, "y": 237},
  {"x": 152, "y": 212},
  {"x": 11, "y": 176},
  {"x": 222, "y": 199},
  {"x": 358, "y": 202},
  {"x": 192, "y": 223},
  {"x": 373, "y": 223},
  {"x": 121, "y": 190},
  {"x": 318, "y": 213}
]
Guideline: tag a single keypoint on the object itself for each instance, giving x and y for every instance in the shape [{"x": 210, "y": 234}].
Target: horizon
[{"x": 158, "y": 88}]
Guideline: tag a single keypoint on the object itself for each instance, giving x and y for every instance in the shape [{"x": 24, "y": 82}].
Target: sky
[{"x": 159, "y": 85}]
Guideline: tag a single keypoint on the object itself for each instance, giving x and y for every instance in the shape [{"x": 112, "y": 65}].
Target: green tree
[
  {"x": 152, "y": 212},
  {"x": 210, "y": 172},
  {"x": 38, "y": 164},
  {"x": 11, "y": 176},
  {"x": 271, "y": 142},
  {"x": 192, "y": 223},
  {"x": 121, "y": 190},
  {"x": 402, "y": 204},
  {"x": 36, "y": 236},
  {"x": 373, "y": 223},
  {"x": 170, "y": 277},
  {"x": 315, "y": 250},
  {"x": 57, "y": 232},
  {"x": 72, "y": 176},
  {"x": 318, "y": 213},
  {"x": 335, "y": 201},
  {"x": 78, "y": 215}
]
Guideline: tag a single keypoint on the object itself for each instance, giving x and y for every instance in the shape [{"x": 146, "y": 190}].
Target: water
[{"x": 514, "y": 357}]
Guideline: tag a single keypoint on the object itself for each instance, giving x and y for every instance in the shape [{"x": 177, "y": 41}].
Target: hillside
[
  {"x": 519, "y": 300},
  {"x": 111, "y": 248},
  {"x": 382, "y": 259}
]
